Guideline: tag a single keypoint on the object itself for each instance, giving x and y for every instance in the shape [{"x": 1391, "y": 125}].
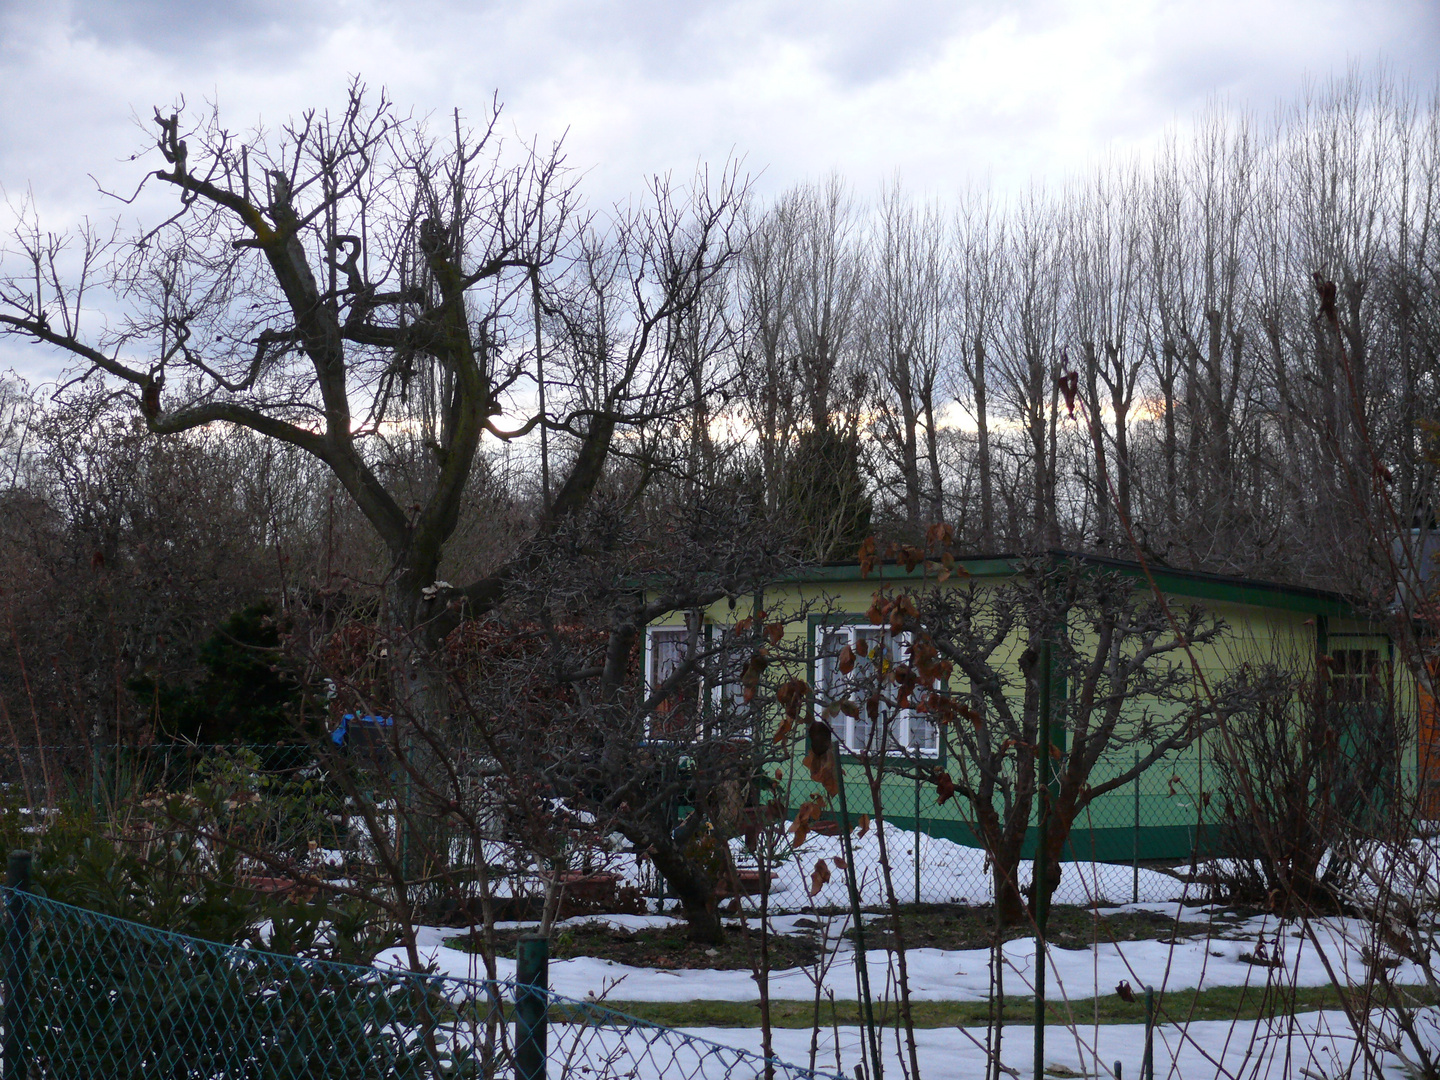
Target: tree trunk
[
  {"x": 420, "y": 702},
  {"x": 1167, "y": 387},
  {"x": 982, "y": 435},
  {"x": 1063, "y": 812},
  {"x": 1097, "y": 443},
  {"x": 1004, "y": 864},
  {"x": 695, "y": 891}
]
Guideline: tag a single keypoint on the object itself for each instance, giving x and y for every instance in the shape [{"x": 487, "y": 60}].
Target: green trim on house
[
  {"x": 999, "y": 566},
  {"x": 1195, "y": 584}
]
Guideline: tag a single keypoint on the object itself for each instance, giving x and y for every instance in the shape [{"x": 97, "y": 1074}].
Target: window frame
[
  {"x": 710, "y": 699},
  {"x": 649, "y": 681},
  {"x": 844, "y": 725}
]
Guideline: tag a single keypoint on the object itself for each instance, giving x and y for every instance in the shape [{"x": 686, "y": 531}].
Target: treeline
[
  {"x": 1143, "y": 346},
  {"x": 1211, "y": 406}
]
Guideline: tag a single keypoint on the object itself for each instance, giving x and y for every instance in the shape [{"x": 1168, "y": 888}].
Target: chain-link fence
[
  {"x": 1133, "y": 844},
  {"x": 1120, "y": 849},
  {"x": 91, "y": 997}
]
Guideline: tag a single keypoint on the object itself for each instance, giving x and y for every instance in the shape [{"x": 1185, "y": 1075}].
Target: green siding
[{"x": 1263, "y": 620}]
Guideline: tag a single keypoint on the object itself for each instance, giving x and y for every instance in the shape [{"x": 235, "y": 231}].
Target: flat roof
[{"x": 1199, "y": 584}]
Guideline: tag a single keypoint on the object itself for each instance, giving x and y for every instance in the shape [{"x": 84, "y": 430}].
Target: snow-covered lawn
[
  {"x": 1200, "y": 956},
  {"x": 1198, "y": 962},
  {"x": 1313, "y": 1046}
]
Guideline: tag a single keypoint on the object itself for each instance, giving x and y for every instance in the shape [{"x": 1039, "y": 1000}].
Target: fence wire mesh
[
  {"x": 1133, "y": 844},
  {"x": 92, "y": 997},
  {"x": 1117, "y": 851}
]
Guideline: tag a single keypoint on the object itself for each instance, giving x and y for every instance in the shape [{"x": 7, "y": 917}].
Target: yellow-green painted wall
[{"x": 1154, "y": 819}]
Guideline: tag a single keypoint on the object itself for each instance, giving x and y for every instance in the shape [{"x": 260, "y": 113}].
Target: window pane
[
  {"x": 877, "y": 652},
  {"x": 674, "y": 717}
]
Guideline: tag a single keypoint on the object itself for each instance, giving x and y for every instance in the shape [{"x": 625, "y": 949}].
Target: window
[
  {"x": 876, "y": 652},
  {"x": 1355, "y": 676},
  {"x": 680, "y": 716},
  {"x": 667, "y": 648}
]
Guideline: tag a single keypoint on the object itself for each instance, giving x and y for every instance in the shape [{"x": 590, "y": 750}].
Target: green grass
[{"x": 1219, "y": 1003}]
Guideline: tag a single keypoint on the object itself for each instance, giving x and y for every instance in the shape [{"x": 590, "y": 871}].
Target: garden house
[{"x": 832, "y": 639}]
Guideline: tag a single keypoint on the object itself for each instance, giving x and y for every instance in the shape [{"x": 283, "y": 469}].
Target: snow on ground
[
  {"x": 949, "y": 873},
  {"x": 1316, "y": 1046},
  {"x": 1312, "y": 1044},
  {"x": 960, "y": 975}
]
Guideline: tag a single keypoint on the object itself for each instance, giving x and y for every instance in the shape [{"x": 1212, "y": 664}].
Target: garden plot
[
  {"x": 1234, "y": 952},
  {"x": 1200, "y": 949}
]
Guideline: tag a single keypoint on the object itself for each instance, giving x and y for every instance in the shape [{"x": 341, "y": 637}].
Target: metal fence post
[
  {"x": 1147, "y": 1063},
  {"x": 1042, "y": 857},
  {"x": 17, "y": 967},
  {"x": 532, "y": 979},
  {"x": 1135, "y": 838},
  {"x": 916, "y": 845}
]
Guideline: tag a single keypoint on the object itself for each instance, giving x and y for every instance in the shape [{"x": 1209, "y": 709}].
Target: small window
[
  {"x": 1355, "y": 675},
  {"x": 722, "y": 671},
  {"x": 684, "y": 712},
  {"x": 876, "y": 652},
  {"x": 675, "y": 717}
]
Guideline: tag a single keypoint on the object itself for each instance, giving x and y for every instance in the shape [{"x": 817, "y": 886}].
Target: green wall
[{"x": 1264, "y": 621}]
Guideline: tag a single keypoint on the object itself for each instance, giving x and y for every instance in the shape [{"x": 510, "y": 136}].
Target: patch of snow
[{"x": 963, "y": 975}]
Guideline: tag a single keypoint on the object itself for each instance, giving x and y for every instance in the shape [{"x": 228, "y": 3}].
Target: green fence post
[
  {"x": 532, "y": 979},
  {"x": 1147, "y": 1063},
  {"x": 917, "y": 834},
  {"x": 17, "y": 967},
  {"x": 871, "y": 1040},
  {"x": 1135, "y": 838},
  {"x": 1040, "y": 871}
]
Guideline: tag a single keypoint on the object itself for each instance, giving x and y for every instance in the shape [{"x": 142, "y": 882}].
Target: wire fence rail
[{"x": 92, "y": 997}]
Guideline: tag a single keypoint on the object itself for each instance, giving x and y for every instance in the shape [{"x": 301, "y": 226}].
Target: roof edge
[{"x": 1199, "y": 584}]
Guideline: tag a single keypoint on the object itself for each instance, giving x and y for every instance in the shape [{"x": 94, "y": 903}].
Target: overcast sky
[{"x": 938, "y": 93}]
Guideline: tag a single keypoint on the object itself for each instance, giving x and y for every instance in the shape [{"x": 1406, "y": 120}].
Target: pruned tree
[{"x": 905, "y": 340}]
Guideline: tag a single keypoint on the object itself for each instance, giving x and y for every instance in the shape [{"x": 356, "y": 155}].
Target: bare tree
[
  {"x": 1108, "y": 641},
  {"x": 976, "y": 274},
  {"x": 354, "y": 286},
  {"x": 1107, "y": 279},
  {"x": 906, "y": 338},
  {"x": 1027, "y": 358}
]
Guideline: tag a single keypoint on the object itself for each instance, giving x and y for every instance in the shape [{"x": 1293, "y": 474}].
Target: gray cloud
[
  {"x": 940, "y": 91},
  {"x": 261, "y": 27}
]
